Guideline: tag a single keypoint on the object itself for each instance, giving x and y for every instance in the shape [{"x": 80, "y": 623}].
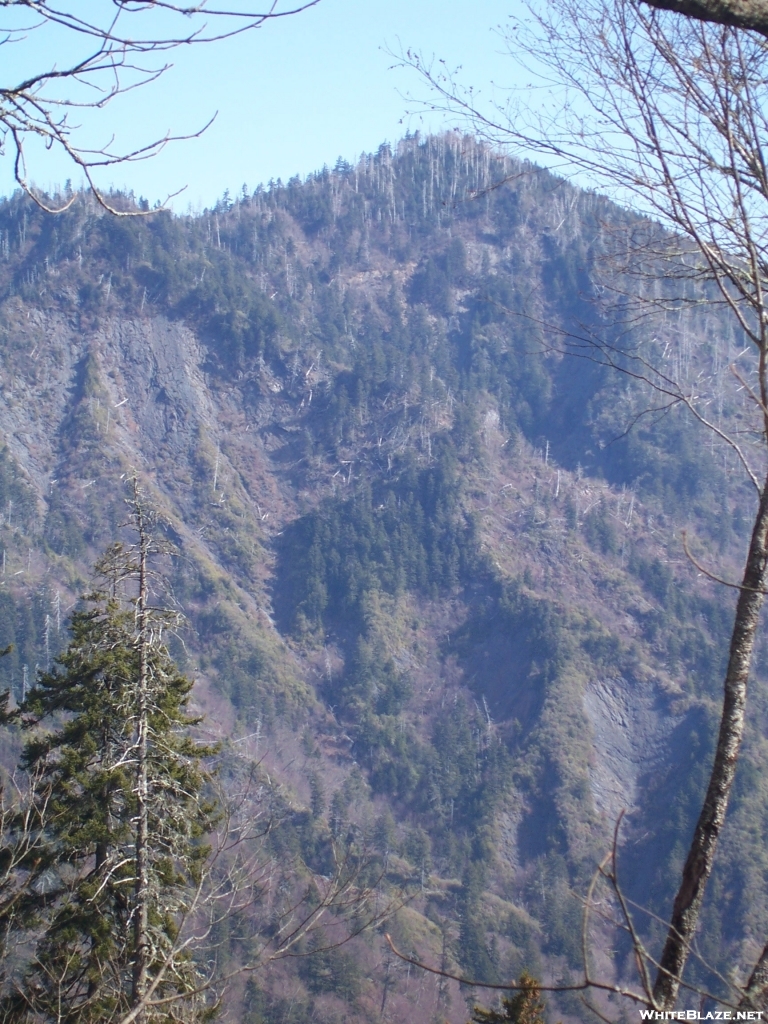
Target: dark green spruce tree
[{"x": 119, "y": 816}]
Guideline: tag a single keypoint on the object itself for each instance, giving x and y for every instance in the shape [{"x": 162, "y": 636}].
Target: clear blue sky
[{"x": 292, "y": 96}]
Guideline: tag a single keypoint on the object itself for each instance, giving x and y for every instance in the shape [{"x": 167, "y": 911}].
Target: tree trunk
[
  {"x": 756, "y": 993},
  {"x": 749, "y": 14},
  {"x": 701, "y": 854},
  {"x": 141, "y": 908}
]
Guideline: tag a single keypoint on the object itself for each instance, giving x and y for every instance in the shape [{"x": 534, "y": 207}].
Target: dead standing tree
[
  {"x": 104, "y": 49},
  {"x": 669, "y": 115}
]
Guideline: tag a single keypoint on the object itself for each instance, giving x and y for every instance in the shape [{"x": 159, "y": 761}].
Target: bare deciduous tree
[
  {"x": 670, "y": 115},
  {"x": 111, "y": 47}
]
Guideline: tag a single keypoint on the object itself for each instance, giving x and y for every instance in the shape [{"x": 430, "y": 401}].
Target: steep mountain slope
[{"x": 432, "y": 580}]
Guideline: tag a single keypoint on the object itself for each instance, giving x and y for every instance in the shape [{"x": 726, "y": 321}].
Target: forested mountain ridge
[{"x": 431, "y": 578}]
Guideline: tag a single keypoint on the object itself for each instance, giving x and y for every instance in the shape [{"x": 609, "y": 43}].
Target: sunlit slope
[{"x": 431, "y": 578}]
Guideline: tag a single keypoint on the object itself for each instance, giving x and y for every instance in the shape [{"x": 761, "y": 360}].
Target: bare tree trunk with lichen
[
  {"x": 746, "y": 14},
  {"x": 701, "y": 855}
]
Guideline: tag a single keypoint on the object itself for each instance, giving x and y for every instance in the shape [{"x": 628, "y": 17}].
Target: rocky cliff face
[{"x": 429, "y": 577}]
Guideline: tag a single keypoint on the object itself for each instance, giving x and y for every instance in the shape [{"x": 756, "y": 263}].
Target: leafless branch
[{"x": 113, "y": 49}]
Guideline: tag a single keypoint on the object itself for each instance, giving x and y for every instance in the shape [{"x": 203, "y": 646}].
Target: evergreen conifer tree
[{"x": 119, "y": 813}]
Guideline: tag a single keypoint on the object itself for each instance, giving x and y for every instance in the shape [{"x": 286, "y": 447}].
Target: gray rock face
[
  {"x": 154, "y": 370},
  {"x": 631, "y": 725}
]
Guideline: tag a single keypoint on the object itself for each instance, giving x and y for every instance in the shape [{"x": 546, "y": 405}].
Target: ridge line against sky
[{"x": 291, "y": 97}]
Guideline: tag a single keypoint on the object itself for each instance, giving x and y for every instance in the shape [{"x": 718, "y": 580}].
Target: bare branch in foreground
[
  {"x": 105, "y": 51},
  {"x": 745, "y": 14}
]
